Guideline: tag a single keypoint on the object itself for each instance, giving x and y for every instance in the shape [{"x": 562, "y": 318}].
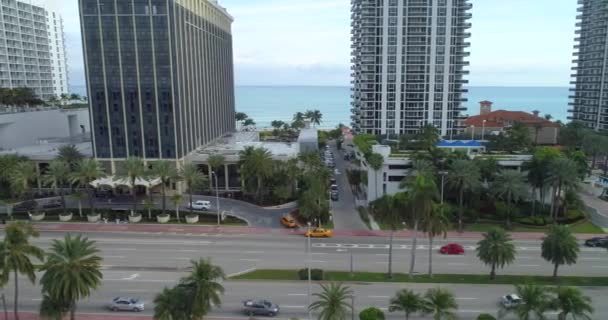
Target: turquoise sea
[{"x": 265, "y": 104}]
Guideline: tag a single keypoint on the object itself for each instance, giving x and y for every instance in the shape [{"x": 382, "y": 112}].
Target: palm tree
[
  {"x": 56, "y": 177},
  {"x": 314, "y": 116},
  {"x": 407, "y": 301},
  {"x": 133, "y": 169},
  {"x": 165, "y": 171},
  {"x": 559, "y": 247},
  {"x": 548, "y": 117},
  {"x": 538, "y": 173},
  {"x": 465, "y": 177},
  {"x": 563, "y": 174},
  {"x": 536, "y": 302},
  {"x": 192, "y": 178},
  {"x": 511, "y": 187},
  {"x": 70, "y": 154},
  {"x": 496, "y": 249},
  {"x": 332, "y": 302},
  {"x": 249, "y": 122},
  {"x": 173, "y": 304},
  {"x": 256, "y": 162},
  {"x": 16, "y": 253},
  {"x": 240, "y": 116},
  {"x": 23, "y": 174},
  {"x": 435, "y": 223},
  {"x": 375, "y": 161},
  {"x": 72, "y": 271},
  {"x": 176, "y": 200},
  {"x": 87, "y": 171},
  {"x": 204, "y": 285},
  {"x": 388, "y": 209},
  {"x": 441, "y": 303},
  {"x": 570, "y": 301},
  {"x": 299, "y": 117}
]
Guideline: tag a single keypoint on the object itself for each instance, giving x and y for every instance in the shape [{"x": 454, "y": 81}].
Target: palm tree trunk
[
  {"x": 73, "y": 311},
  {"x": 606, "y": 165},
  {"x": 177, "y": 211},
  {"x": 509, "y": 210},
  {"x": 407, "y": 316},
  {"x": 413, "y": 253},
  {"x": 259, "y": 191},
  {"x": 91, "y": 202},
  {"x": 376, "y": 182},
  {"x": 134, "y": 198},
  {"x": 4, "y": 306},
  {"x": 460, "y": 208},
  {"x": 555, "y": 270},
  {"x": 553, "y": 189},
  {"x": 593, "y": 160},
  {"x": 390, "y": 254},
  {"x": 63, "y": 204},
  {"x": 16, "y": 307},
  {"x": 557, "y": 201},
  {"x": 534, "y": 202},
  {"x": 190, "y": 196},
  {"x": 162, "y": 191},
  {"x": 431, "y": 255},
  {"x": 493, "y": 272},
  {"x": 80, "y": 207}
]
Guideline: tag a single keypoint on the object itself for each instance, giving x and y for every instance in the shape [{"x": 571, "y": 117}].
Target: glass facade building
[
  {"x": 589, "y": 103},
  {"x": 159, "y": 76},
  {"x": 408, "y": 63}
]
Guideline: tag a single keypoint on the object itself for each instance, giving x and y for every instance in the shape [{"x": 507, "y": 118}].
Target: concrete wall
[{"x": 26, "y": 128}]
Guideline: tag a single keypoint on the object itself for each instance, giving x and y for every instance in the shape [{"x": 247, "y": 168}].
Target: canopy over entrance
[{"x": 114, "y": 182}]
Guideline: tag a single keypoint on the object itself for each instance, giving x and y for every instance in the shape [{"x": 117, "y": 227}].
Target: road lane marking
[
  {"x": 378, "y": 297},
  {"x": 240, "y": 272},
  {"x": 296, "y": 294},
  {"x": 132, "y": 277},
  {"x": 251, "y": 260}
]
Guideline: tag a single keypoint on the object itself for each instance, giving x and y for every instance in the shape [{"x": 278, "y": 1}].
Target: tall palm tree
[
  {"x": 16, "y": 253},
  {"x": 204, "y": 285},
  {"x": 192, "y": 178},
  {"x": 72, "y": 271},
  {"x": 256, "y": 162},
  {"x": 435, "y": 223},
  {"x": 570, "y": 301},
  {"x": 559, "y": 247},
  {"x": 87, "y": 171},
  {"x": 496, "y": 249},
  {"x": 333, "y": 302},
  {"x": 407, "y": 301},
  {"x": 375, "y": 161},
  {"x": 465, "y": 177},
  {"x": 133, "y": 169},
  {"x": 293, "y": 172},
  {"x": 176, "y": 200},
  {"x": 23, "y": 174},
  {"x": 563, "y": 174},
  {"x": 388, "y": 209},
  {"x": 536, "y": 302},
  {"x": 511, "y": 187},
  {"x": 314, "y": 116},
  {"x": 441, "y": 303},
  {"x": 165, "y": 171},
  {"x": 57, "y": 176},
  {"x": 538, "y": 173},
  {"x": 173, "y": 304}
]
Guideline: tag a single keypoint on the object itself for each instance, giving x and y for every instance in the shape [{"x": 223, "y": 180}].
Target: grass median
[{"x": 345, "y": 276}]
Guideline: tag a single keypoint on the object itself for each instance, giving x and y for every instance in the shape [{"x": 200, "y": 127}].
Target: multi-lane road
[{"x": 142, "y": 264}]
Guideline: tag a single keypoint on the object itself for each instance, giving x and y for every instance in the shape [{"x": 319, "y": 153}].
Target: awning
[{"x": 114, "y": 182}]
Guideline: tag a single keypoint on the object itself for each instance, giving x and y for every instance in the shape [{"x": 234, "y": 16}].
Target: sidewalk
[{"x": 193, "y": 230}]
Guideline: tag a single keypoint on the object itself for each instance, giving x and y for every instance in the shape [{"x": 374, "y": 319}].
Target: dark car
[
  {"x": 260, "y": 308},
  {"x": 25, "y": 205},
  {"x": 53, "y": 203},
  {"x": 335, "y": 196},
  {"x": 597, "y": 242}
]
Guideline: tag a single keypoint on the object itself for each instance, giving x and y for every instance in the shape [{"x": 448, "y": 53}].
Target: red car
[{"x": 452, "y": 248}]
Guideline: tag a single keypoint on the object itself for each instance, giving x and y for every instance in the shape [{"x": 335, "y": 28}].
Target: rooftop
[
  {"x": 502, "y": 118},
  {"x": 48, "y": 149}
]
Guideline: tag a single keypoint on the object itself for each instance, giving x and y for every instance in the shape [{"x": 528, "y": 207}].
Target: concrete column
[{"x": 226, "y": 175}]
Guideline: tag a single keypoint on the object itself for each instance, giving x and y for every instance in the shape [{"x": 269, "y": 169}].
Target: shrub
[
  {"x": 371, "y": 314},
  {"x": 533, "y": 221},
  {"x": 572, "y": 216},
  {"x": 315, "y": 274},
  {"x": 485, "y": 316}
]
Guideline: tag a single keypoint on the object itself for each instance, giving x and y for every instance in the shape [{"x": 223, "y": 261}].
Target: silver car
[
  {"x": 260, "y": 308},
  {"x": 126, "y": 304}
]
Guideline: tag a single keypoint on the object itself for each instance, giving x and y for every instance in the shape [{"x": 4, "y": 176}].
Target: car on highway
[
  {"x": 260, "y": 308},
  {"x": 200, "y": 205},
  {"x": 319, "y": 233},
  {"x": 289, "y": 222},
  {"x": 126, "y": 304},
  {"x": 335, "y": 196},
  {"x": 452, "y": 248},
  {"x": 25, "y": 205},
  {"x": 597, "y": 242},
  {"x": 510, "y": 301}
]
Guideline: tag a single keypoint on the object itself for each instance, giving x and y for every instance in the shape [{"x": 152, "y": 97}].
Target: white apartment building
[
  {"x": 32, "y": 48},
  {"x": 408, "y": 62}
]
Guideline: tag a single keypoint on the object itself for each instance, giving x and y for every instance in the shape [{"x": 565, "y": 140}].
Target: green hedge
[{"x": 315, "y": 274}]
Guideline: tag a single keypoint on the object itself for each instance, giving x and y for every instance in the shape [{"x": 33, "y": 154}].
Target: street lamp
[
  {"x": 217, "y": 197},
  {"x": 472, "y": 132},
  {"x": 442, "y": 174},
  {"x": 483, "y": 129},
  {"x": 309, "y": 258}
]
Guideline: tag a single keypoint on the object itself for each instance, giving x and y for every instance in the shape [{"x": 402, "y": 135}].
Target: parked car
[
  {"x": 510, "y": 301},
  {"x": 319, "y": 233},
  {"x": 597, "y": 242},
  {"x": 201, "y": 205},
  {"x": 260, "y": 308},
  {"x": 288, "y": 221},
  {"x": 25, "y": 205},
  {"x": 335, "y": 196},
  {"x": 452, "y": 248},
  {"x": 332, "y": 181},
  {"x": 334, "y": 187},
  {"x": 126, "y": 304},
  {"x": 53, "y": 203}
]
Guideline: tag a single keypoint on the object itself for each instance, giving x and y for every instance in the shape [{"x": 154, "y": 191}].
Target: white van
[{"x": 200, "y": 205}]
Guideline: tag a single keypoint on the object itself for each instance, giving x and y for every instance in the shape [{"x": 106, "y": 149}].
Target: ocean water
[{"x": 265, "y": 104}]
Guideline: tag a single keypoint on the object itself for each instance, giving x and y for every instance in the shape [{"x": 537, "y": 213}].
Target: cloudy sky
[{"x": 306, "y": 42}]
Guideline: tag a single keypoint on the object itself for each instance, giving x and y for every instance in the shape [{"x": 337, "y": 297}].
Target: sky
[{"x": 307, "y": 42}]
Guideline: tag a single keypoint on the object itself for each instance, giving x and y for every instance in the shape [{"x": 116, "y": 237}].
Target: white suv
[
  {"x": 511, "y": 301},
  {"x": 200, "y": 205}
]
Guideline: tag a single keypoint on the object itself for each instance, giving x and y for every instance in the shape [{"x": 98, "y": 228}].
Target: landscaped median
[{"x": 345, "y": 276}]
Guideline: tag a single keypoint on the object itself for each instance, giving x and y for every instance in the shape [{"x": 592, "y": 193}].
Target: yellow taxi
[
  {"x": 319, "y": 233},
  {"x": 288, "y": 222}
]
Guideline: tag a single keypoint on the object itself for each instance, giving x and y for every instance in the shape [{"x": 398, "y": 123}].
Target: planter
[
  {"x": 163, "y": 218},
  {"x": 192, "y": 219},
  {"x": 134, "y": 218},
  {"x": 93, "y": 217},
  {"x": 38, "y": 217},
  {"x": 65, "y": 218}
]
